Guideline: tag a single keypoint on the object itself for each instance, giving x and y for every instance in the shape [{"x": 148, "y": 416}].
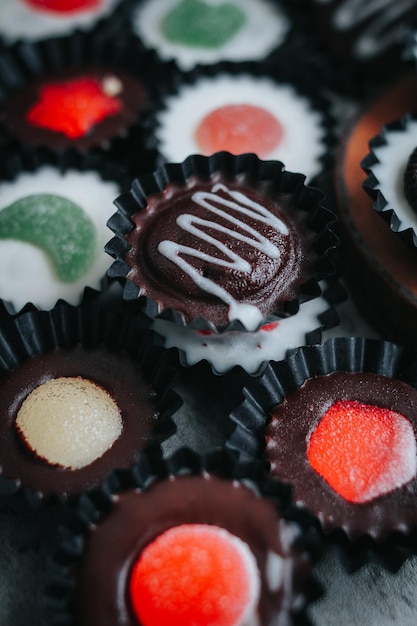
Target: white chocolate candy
[
  {"x": 19, "y": 21},
  {"x": 303, "y": 141},
  {"x": 69, "y": 422},
  {"x": 265, "y": 29},
  {"x": 34, "y": 277}
]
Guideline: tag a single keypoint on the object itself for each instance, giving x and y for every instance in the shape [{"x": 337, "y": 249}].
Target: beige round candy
[{"x": 69, "y": 422}]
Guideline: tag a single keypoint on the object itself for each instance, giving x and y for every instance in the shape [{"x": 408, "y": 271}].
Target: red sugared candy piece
[
  {"x": 363, "y": 451},
  {"x": 63, "y": 6},
  {"x": 239, "y": 128},
  {"x": 73, "y": 107},
  {"x": 270, "y": 326},
  {"x": 195, "y": 574}
]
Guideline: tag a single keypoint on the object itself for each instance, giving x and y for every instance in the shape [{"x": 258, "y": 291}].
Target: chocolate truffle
[{"x": 226, "y": 248}]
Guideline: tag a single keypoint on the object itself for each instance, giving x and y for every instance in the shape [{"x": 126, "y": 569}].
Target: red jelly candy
[
  {"x": 63, "y": 6},
  {"x": 270, "y": 326},
  {"x": 72, "y": 107},
  {"x": 239, "y": 128},
  {"x": 363, "y": 451},
  {"x": 195, "y": 574}
]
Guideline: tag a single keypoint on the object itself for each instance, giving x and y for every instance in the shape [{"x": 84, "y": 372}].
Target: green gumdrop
[
  {"x": 58, "y": 226},
  {"x": 195, "y": 23}
]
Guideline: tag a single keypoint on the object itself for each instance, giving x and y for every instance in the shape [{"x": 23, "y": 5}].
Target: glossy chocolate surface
[
  {"x": 114, "y": 371},
  {"x": 268, "y": 283},
  {"x": 133, "y": 96},
  {"x": 287, "y": 437},
  {"x": 137, "y": 518}
]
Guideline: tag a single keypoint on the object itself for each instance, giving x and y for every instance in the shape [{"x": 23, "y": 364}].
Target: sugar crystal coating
[
  {"x": 363, "y": 451},
  {"x": 69, "y": 422},
  {"x": 58, "y": 226},
  {"x": 197, "y": 23},
  {"x": 195, "y": 574},
  {"x": 239, "y": 128}
]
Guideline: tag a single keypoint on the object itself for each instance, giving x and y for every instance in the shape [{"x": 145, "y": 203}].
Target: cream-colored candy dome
[{"x": 69, "y": 422}]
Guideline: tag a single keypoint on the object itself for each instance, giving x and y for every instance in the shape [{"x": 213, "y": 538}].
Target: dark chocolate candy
[
  {"x": 137, "y": 518},
  {"x": 133, "y": 96},
  {"x": 288, "y": 433},
  {"x": 248, "y": 244},
  {"x": 116, "y": 372}
]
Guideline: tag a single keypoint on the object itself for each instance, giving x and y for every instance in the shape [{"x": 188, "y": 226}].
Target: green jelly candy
[
  {"x": 197, "y": 24},
  {"x": 58, "y": 226}
]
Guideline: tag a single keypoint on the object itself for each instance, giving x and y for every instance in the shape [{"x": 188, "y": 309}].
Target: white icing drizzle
[
  {"x": 383, "y": 30},
  {"x": 248, "y": 314}
]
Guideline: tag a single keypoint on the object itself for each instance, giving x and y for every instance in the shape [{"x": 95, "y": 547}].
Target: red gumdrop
[
  {"x": 193, "y": 574},
  {"x": 72, "y": 107},
  {"x": 363, "y": 451},
  {"x": 239, "y": 128},
  {"x": 63, "y": 6}
]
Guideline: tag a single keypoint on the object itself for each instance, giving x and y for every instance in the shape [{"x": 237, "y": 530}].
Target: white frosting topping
[
  {"x": 69, "y": 422},
  {"x": 19, "y": 21},
  {"x": 393, "y": 158},
  {"x": 34, "y": 277},
  {"x": 385, "y": 28},
  {"x": 247, "y": 349},
  {"x": 302, "y": 144},
  {"x": 265, "y": 29},
  {"x": 249, "y": 315}
]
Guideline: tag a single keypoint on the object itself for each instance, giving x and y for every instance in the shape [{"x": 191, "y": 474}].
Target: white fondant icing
[
  {"x": 34, "y": 278},
  {"x": 19, "y": 21},
  {"x": 302, "y": 144},
  {"x": 265, "y": 29},
  {"x": 393, "y": 158},
  {"x": 247, "y": 349},
  {"x": 249, "y": 315}
]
